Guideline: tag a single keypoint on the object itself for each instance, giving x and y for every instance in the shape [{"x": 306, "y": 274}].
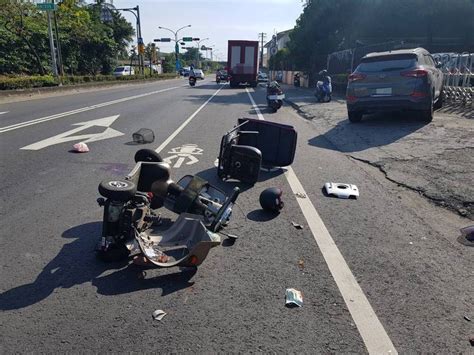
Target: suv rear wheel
[
  {"x": 427, "y": 115},
  {"x": 439, "y": 103},
  {"x": 355, "y": 116}
]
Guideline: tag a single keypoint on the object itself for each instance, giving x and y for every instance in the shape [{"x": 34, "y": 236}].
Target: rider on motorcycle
[
  {"x": 192, "y": 75},
  {"x": 326, "y": 79}
]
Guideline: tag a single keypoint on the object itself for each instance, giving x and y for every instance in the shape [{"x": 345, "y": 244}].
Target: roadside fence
[{"x": 458, "y": 77}]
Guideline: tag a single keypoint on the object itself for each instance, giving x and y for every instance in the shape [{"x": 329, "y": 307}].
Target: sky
[{"x": 220, "y": 20}]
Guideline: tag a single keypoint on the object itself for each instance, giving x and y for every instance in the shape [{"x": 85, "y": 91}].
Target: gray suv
[{"x": 407, "y": 79}]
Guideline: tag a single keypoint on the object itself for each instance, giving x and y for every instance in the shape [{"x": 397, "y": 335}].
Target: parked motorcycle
[
  {"x": 192, "y": 80},
  {"x": 324, "y": 88},
  {"x": 130, "y": 222},
  {"x": 275, "y": 96},
  {"x": 297, "y": 80}
]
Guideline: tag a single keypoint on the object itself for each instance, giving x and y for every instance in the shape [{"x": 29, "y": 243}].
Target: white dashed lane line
[{"x": 370, "y": 328}]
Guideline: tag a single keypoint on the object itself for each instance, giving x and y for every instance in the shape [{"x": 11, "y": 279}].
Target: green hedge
[
  {"x": 29, "y": 82},
  {"x": 26, "y": 82}
]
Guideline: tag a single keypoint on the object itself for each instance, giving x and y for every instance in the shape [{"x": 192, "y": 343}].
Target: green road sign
[
  {"x": 187, "y": 39},
  {"x": 46, "y": 6}
]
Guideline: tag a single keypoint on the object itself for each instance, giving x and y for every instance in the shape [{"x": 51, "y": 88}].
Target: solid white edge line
[
  {"x": 185, "y": 123},
  {"x": 79, "y": 110},
  {"x": 370, "y": 328}
]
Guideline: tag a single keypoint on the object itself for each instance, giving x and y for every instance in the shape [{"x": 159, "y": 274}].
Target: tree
[
  {"x": 326, "y": 26},
  {"x": 22, "y": 31},
  {"x": 169, "y": 63},
  {"x": 192, "y": 55},
  {"x": 88, "y": 46},
  {"x": 281, "y": 60}
]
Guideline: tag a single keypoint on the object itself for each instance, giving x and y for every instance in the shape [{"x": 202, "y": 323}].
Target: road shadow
[
  {"x": 374, "y": 130},
  {"x": 464, "y": 111},
  {"x": 227, "y": 186},
  {"x": 239, "y": 98},
  {"x": 76, "y": 264},
  {"x": 261, "y": 215}
]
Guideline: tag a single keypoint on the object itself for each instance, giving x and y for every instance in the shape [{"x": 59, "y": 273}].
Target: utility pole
[
  {"x": 58, "y": 45},
  {"x": 262, "y": 37},
  {"x": 54, "y": 65}
]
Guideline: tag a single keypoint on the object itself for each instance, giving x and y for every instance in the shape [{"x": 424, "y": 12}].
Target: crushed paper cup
[
  {"x": 293, "y": 298},
  {"x": 80, "y": 147},
  {"x": 159, "y": 314}
]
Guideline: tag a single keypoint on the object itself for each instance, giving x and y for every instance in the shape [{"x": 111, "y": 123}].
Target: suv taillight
[
  {"x": 417, "y": 73},
  {"x": 356, "y": 76}
]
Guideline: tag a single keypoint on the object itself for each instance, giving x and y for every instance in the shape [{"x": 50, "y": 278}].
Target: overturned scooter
[
  {"x": 130, "y": 219},
  {"x": 275, "y": 96}
]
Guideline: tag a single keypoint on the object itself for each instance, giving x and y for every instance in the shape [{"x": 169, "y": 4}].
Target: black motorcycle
[{"x": 275, "y": 96}]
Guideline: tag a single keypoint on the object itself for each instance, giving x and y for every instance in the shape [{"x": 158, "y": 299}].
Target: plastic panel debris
[{"x": 341, "y": 190}]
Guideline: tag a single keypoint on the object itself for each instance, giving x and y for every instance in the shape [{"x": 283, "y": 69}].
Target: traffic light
[{"x": 196, "y": 39}]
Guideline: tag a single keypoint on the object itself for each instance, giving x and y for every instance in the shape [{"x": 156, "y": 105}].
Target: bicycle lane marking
[
  {"x": 83, "y": 109},
  {"x": 369, "y": 326}
]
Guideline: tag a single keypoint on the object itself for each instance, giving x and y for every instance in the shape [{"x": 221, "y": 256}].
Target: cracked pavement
[{"x": 434, "y": 159}]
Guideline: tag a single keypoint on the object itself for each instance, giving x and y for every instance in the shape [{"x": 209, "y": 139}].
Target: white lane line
[
  {"x": 83, "y": 109},
  {"x": 2, "y": 113},
  {"x": 370, "y": 328},
  {"x": 185, "y": 123}
]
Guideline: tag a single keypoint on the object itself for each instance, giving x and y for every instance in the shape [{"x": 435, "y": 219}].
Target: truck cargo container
[{"x": 242, "y": 62}]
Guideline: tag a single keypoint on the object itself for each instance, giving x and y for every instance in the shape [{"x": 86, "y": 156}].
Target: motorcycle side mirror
[{"x": 439, "y": 65}]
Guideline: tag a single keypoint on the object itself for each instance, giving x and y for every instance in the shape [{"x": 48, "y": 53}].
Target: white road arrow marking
[
  {"x": 86, "y": 138},
  {"x": 2, "y": 113}
]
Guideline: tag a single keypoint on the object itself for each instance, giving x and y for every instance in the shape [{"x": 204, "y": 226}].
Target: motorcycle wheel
[{"x": 117, "y": 190}]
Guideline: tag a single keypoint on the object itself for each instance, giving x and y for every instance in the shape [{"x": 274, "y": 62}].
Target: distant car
[
  {"x": 407, "y": 79},
  {"x": 154, "y": 68},
  {"x": 124, "y": 70},
  {"x": 262, "y": 77},
  {"x": 199, "y": 74},
  {"x": 185, "y": 71}
]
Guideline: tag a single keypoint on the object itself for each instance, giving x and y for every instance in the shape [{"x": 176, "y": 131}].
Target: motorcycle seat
[{"x": 150, "y": 177}]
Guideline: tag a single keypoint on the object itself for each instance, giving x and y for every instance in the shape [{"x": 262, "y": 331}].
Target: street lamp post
[
  {"x": 140, "y": 44},
  {"x": 199, "y": 48},
  {"x": 176, "y": 47},
  {"x": 211, "y": 49}
]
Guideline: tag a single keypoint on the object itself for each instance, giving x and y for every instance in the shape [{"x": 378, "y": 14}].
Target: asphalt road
[{"x": 387, "y": 271}]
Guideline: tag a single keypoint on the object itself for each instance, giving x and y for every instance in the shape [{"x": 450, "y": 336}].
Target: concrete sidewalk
[{"x": 434, "y": 159}]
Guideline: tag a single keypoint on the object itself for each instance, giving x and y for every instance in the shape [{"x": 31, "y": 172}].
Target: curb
[
  {"x": 299, "y": 110},
  {"x": 66, "y": 88}
]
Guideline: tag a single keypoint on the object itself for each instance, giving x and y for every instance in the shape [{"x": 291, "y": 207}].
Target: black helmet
[{"x": 270, "y": 199}]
